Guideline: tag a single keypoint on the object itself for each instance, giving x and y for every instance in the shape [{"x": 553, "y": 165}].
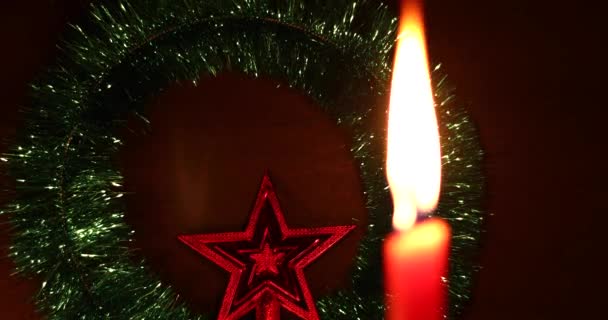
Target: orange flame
[{"x": 413, "y": 157}]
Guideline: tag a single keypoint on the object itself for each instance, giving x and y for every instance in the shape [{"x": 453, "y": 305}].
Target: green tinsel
[{"x": 68, "y": 212}]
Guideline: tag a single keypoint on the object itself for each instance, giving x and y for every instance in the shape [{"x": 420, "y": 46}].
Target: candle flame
[{"x": 413, "y": 157}]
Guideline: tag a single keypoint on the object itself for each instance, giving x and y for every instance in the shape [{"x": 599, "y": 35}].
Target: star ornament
[{"x": 266, "y": 261}]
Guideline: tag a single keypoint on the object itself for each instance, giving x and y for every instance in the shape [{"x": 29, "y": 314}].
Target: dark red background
[{"x": 530, "y": 74}]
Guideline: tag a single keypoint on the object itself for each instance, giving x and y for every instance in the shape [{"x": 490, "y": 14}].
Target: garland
[{"x": 67, "y": 211}]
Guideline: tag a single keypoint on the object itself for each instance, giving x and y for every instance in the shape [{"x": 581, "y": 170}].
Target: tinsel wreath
[{"x": 67, "y": 213}]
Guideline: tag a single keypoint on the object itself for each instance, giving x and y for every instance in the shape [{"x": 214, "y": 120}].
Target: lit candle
[{"x": 415, "y": 255}]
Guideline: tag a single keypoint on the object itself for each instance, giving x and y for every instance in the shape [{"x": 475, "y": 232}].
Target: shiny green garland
[{"x": 68, "y": 212}]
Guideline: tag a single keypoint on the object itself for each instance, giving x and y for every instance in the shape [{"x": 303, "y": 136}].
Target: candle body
[{"x": 415, "y": 262}]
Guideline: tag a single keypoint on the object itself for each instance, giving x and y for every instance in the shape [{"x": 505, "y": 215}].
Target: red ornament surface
[{"x": 266, "y": 261}]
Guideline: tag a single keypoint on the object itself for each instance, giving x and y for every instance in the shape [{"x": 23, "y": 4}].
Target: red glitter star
[{"x": 266, "y": 261}]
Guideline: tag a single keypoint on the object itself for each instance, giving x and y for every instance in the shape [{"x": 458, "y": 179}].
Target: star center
[{"x": 267, "y": 261}]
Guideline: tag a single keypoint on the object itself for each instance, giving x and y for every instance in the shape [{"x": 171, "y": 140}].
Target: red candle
[
  {"x": 415, "y": 255},
  {"x": 416, "y": 263}
]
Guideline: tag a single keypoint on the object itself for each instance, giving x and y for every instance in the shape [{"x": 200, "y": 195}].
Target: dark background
[{"x": 531, "y": 75}]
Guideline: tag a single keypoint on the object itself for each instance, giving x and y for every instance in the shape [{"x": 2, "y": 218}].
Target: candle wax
[{"x": 415, "y": 263}]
